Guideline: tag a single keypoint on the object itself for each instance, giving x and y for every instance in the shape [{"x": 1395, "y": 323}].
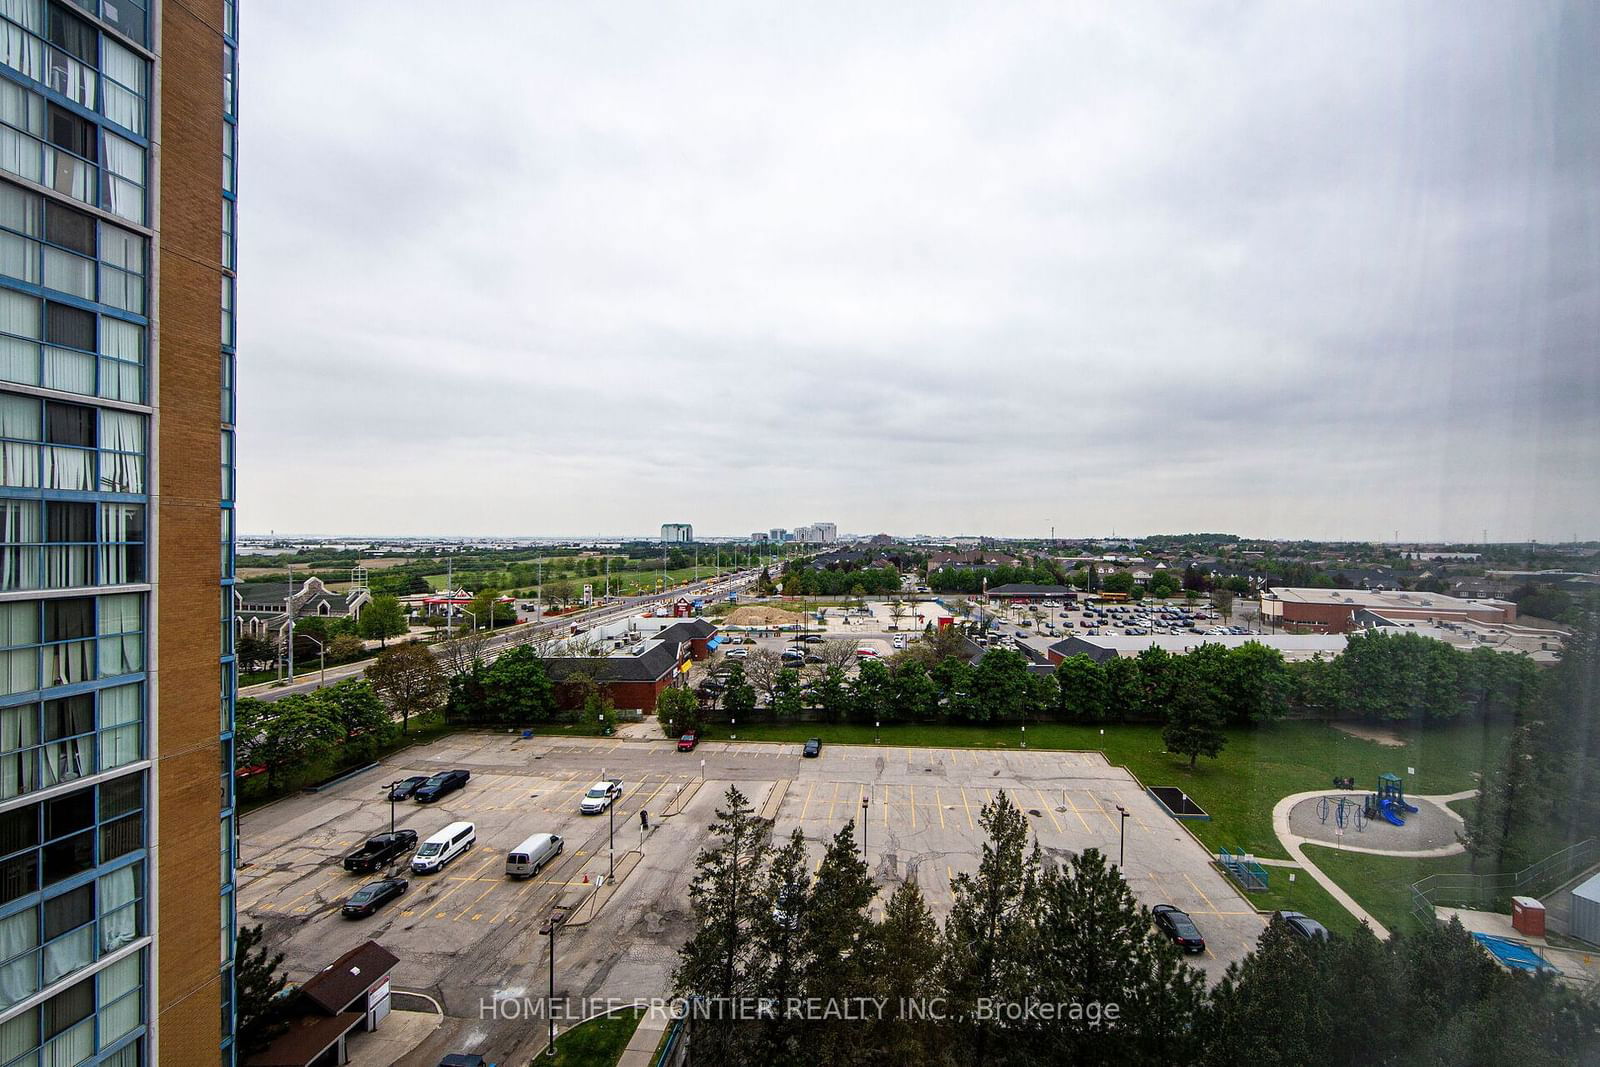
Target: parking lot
[{"x": 469, "y": 934}]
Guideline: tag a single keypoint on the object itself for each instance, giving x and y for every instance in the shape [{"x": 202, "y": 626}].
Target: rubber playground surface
[{"x": 1430, "y": 827}]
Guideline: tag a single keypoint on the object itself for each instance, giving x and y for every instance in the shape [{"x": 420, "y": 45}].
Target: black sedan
[
  {"x": 1177, "y": 925},
  {"x": 380, "y": 850},
  {"x": 813, "y": 748},
  {"x": 372, "y": 896},
  {"x": 1302, "y": 925},
  {"x": 440, "y": 784},
  {"x": 406, "y": 786}
]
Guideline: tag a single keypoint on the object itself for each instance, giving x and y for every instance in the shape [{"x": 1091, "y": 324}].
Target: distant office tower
[
  {"x": 778, "y": 534},
  {"x": 758, "y": 536},
  {"x": 827, "y": 532},
  {"x": 677, "y": 532},
  {"x": 116, "y": 711}
]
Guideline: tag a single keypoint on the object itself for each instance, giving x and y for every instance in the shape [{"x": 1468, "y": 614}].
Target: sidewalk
[
  {"x": 641, "y": 1050},
  {"x": 1292, "y": 842}
]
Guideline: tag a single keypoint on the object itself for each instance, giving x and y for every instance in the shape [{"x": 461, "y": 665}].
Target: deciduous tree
[{"x": 409, "y": 680}]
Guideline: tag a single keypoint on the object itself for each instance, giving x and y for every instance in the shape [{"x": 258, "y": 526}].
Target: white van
[
  {"x": 444, "y": 846},
  {"x": 526, "y": 859}
]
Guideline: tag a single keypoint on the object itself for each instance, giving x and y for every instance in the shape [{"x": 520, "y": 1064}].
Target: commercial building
[
  {"x": 1020, "y": 592},
  {"x": 677, "y": 532},
  {"x": 818, "y": 533},
  {"x": 1101, "y": 648},
  {"x": 1334, "y": 610},
  {"x": 778, "y": 535},
  {"x": 262, "y": 609},
  {"x": 633, "y": 662},
  {"x": 116, "y": 428}
]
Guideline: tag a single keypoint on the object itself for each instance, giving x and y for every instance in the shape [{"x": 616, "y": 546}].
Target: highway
[{"x": 309, "y": 679}]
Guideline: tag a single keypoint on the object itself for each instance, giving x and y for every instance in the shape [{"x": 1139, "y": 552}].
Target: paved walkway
[
  {"x": 1292, "y": 842},
  {"x": 641, "y": 1048}
]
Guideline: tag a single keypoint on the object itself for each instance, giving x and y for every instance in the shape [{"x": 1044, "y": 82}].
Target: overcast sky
[{"x": 1276, "y": 269}]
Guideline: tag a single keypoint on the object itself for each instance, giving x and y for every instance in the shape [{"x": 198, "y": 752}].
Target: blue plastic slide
[
  {"x": 1386, "y": 809},
  {"x": 1412, "y": 808}
]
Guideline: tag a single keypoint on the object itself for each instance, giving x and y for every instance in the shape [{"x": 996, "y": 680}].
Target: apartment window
[
  {"x": 229, "y": 76},
  {"x": 227, "y": 464},
  {"x": 69, "y": 548},
  {"x": 226, "y": 547},
  {"x": 121, "y": 359},
  {"x": 53, "y": 445},
  {"x": 124, "y": 178},
  {"x": 227, "y": 233},
  {"x": 69, "y": 355},
  {"x": 226, "y": 623},
  {"x": 124, "y": 81},
  {"x": 46, "y": 744},
  {"x": 227, "y": 387},
  {"x": 122, "y": 268},
  {"x": 69, "y": 641},
  {"x": 22, "y": 122},
  {"x": 227, "y": 310},
  {"x": 230, "y": 19},
  {"x": 230, "y": 134},
  {"x": 121, "y": 544},
  {"x": 129, "y": 17},
  {"x": 73, "y": 35}
]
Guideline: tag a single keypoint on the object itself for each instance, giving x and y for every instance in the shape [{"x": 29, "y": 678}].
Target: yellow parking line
[
  {"x": 1202, "y": 892},
  {"x": 967, "y": 808},
  {"x": 938, "y": 802},
  {"x": 1044, "y": 806},
  {"x": 473, "y": 877},
  {"x": 812, "y": 788},
  {"x": 1067, "y": 795},
  {"x": 834, "y": 799},
  {"x": 913, "y": 790},
  {"x": 314, "y": 889},
  {"x": 493, "y": 884},
  {"x": 885, "y": 805}
]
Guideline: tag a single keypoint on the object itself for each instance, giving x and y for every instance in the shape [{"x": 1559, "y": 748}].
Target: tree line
[
  {"x": 801, "y": 579},
  {"x": 1056, "y": 962}
]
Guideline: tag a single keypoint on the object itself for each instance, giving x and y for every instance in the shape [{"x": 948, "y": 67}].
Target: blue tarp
[
  {"x": 713, "y": 643},
  {"x": 1516, "y": 956}
]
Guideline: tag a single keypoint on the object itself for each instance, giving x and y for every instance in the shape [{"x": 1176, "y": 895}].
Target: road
[{"x": 311, "y": 680}]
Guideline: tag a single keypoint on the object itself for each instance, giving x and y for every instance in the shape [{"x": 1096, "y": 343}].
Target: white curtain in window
[
  {"x": 66, "y": 467},
  {"x": 69, "y": 371},
  {"x": 122, "y": 431},
  {"x": 19, "y": 210},
  {"x": 19, "y": 527},
  {"x": 120, "y": 705},
  {"x": 124, "y": 158},
  {"x": 19, "y": 669},
  {"x": 19, "y": 418},
  {"x": 19, "y": 361},
  {"x": 122, "y": 463},
  {"x": 20, "y": 108},
  {"x": 121, "y": 655},
  {"x": 20, "y": 154},
  {"x": 21, "y": 52},
  {"x": 119, "y": 525},
  {"x": 18, "y": 1035},
  {"x": 68, "y": 953},
  {"x": 123, "y": 340},
  {"x": 118, "y": 925},
  {"x": 71, "y": 1048},
  {"x": 122, "y": 613},
  {"x": 67, "y": 760},
  {"x": 66, "y": 566},
  {"x": 69, "y": 663},
  {"x": 19, "y": 732},
  {"x": 19, "y": 934},
  {"x": 121, "y": 381},
  {"x": 19, "y": 314},
  {"x": 69, "y": 272},
  {"x": 19, "y": 257},
  {"x": 119, "y": 746},
  {"x": 19, "y": 624}
]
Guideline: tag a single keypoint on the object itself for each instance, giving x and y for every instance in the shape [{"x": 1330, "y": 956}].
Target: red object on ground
[
  {"x": 1527, "y": 916},
  {"x": 946, "y": 621}
]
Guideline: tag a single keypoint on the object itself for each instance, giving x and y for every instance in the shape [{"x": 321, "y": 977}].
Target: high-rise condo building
[{"x": 117, "y": 227}]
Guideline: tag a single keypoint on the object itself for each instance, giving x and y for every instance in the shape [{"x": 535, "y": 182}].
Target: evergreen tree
[{"x": 257, "y": 983}]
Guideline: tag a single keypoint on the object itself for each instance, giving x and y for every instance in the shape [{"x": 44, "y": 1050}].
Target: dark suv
[
  {"x": 1302, "y": 926},
  {"x": 1177, "y": 925},
  {"x": 381, "y": 850},
  {"x": 440, "y": 784}
]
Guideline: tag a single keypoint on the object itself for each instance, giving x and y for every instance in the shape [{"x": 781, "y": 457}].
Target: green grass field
[
  {"x": 596, "y": 1042},
  {"x": 1382, "y": 884},
  {"x": 1257, "y": 768},
  {"x": 623, "y": 583}
]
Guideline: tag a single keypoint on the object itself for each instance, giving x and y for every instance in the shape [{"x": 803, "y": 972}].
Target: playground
[{"x": 1382, "y": 819}]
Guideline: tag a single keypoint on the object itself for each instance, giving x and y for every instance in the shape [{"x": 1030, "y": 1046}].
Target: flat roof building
[
  {"x": 1111, "y": 646},
  {"x": 677, "y": 533},
  {"x": 1334, "y": 610}
]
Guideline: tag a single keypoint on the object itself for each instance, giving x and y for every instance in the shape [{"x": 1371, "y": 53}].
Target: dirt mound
[{"x": 760, "y": 616}]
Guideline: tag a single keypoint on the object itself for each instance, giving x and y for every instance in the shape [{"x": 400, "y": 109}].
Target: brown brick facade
[{"x": 186, "y": 841}]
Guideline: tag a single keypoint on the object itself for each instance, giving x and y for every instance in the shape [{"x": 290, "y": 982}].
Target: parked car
[
  {"x": 812, "y": 639},
  {"x": 1177, "y": 925},
  {"x": 738, "y": 653},
  {"x": 899, "y": 642},
  {"x": 403, "y": 789},
  {"x": 372, "y": 896},
  {"x": 687, "y": 742},
  {"x": 380, "y": 850},
  {"x": 600, "y": 796},
  {"x": 813, "y": 748},
  {"x": 864, "y": 652},
  {"x": 813, "y": 658},
  {"x": 441, "y": 784},
  {"x": 1302, "y": 926}
]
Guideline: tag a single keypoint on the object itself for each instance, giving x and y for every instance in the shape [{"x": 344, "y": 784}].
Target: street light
[
  {"x": 322, "y": 659},
  {"x": 1024, "y": 737},
  {"x": 548, "y": 929},
  {"x": 864, "y": 799},
  {"x": 733, "y": 726},
  {"x": 474, "y": 614},
  {"x": 1122, "y": 842},
  {"x": 392, "y": 787},
  {"x": 875, "y": 725},
  {"x": 611, "y": 847}
]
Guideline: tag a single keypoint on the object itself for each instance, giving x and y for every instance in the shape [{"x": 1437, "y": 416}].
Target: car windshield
[
  {"x": 431, "y": 848},
  {"x": 596, "y": 792},
  {"x": 364, "y": 894}
]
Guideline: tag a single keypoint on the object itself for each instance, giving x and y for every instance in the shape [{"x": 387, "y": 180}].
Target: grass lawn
[
  {"x": 623, "y": 583},
  {"x": 1382, "y": 884},
  {"x": 595, "y": 1042},
  {"x": 1304, "y": 895},
  {"x": 1257, "y": 768}
]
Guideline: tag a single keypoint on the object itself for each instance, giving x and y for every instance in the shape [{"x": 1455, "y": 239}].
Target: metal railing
[{"x": 1479, "y": 890}]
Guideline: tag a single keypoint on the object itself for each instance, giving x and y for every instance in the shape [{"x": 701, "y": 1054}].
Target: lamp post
[
  {"x": 322, "y": 660},
  {"x": 875, "y": 725},
  {"x": 611, "y": 846},
  {"x": 469, "y": 611},
  {"x": 733, "y": 728},
  {"x": 549, "y": 928},
  {"x": 864, "y": 799},
  {"x": 392, "y": 786},
  {"x": 1122, "y": 837},
  {"x": 1024, "y": 737}
]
